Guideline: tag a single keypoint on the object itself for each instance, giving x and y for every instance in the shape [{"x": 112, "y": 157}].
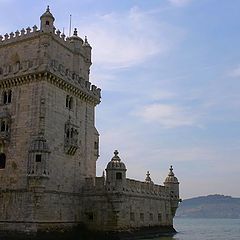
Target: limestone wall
[
  {"x": 68, "y": 171},
  {"x": 138, "y": 204},
  {"x": 31, "y": 211},
  {"x": 23, "y": 111}
]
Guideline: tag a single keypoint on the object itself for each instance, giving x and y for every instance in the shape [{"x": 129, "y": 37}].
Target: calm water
[
  {"x": 194, "y": 229},
  {"x": 205, "y": 229}
]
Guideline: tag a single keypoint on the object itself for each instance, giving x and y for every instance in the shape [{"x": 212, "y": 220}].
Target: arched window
[
  {"x": 2, "y": 160},
  {"x": 3, "y": 126},
  {"x": 67, "y": 101},
  {"x": 5, "y": 97},
  {"x": 70, "y": 103},
  {"x": 9, "y": 96},
  {"x": 47, "y": 23}
]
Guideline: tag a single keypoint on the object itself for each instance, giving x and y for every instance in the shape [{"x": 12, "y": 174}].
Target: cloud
[
  {"x": 235, "y": 72},
  {"x": 129, "y": 38},
  {"x": 167, "y": 115},
  {"x": 179, "y": 3}
]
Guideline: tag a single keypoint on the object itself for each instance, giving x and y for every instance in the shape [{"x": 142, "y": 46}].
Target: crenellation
[
  {"x": 17, "y": 33},
  {"x": 11, "y": 35},
  {"x": 35, "y": 28},
  {"x": 58, "y": 33},
  {"x": 22, "y": 32},
  {"x": 6, "y": 37},
  {"x": 63, "y": 36}
]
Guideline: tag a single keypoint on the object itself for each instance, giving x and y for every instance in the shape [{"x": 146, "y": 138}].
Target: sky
[{"x": 169, "y": 71}]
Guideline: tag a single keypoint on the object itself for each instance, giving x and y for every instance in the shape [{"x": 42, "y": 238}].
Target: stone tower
[
  {"x": 172, "y": 183},
  {"x": 48, "y": 140},
  {"x": 49, "y": 144}
]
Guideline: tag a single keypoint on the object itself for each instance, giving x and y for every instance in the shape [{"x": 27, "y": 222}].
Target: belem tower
[{"x": 49, "y": 144}]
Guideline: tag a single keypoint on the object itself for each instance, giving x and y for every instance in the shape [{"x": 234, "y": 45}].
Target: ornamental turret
[
  {"x": 172, "y": 183},
  {"x": 116, "y": 173},
  {"x": 47, "y": 21}
]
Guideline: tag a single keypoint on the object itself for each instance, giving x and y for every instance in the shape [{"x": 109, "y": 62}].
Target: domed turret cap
[
  {"x": 39, "y": 145},
  {"x": 115, "y": 163},
  {"x": 171, "y": 177},
  {"x": 47, "y": 14}
]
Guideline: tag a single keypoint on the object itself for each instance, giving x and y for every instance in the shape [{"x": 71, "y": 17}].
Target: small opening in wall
[
  {"x": 142, "y": 216},
  {"x": 3, "y": 126},
  {"x": 38, "y": 158},
  {"x": 2, "y": 160},
  {"x": 118, "y": 175},
  {"x": 5, "y": 97},
  {"x": 70, "y": 103},
  {"x": 9, "y": 96},
  {"x": 47, "y": 22}
]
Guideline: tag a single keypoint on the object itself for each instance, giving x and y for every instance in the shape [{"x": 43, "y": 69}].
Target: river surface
[{"x": 205, "y": 229}]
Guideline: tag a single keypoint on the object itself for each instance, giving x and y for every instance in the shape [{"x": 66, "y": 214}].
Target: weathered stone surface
[{"x": 49, "y": 144}]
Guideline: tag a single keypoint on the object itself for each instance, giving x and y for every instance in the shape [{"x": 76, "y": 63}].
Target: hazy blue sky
[{"x": 170, "y": 77}]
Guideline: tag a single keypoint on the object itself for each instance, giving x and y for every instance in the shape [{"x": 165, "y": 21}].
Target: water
[
  {"x": 188, "y": 229},
  {"x": 205, "y": 229}
]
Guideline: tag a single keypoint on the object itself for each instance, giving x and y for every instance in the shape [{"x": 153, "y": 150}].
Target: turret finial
[
  {"x": 116, "y": 153},
  {"x": 86, "y": 41},
  {"x": 48, "y": 9},
  {"x": 148, "y": 179},
  {"x": 75, "y": 33},
  {"x": 171, "y": 171}
]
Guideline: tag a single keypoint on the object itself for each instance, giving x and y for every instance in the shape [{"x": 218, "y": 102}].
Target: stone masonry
[{"x": 49, "y": 144}]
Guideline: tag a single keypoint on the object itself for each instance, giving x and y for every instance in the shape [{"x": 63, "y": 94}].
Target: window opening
[
  {"x": 47, "y": 22},
  {"x": 9, "y": 96},
  {"x": 67, "y": 101},
  {"x": 2, "y": 160},
  {"x": 2, "y": 126},
  {"x": 5, "y": 97},
  {"x": 118, "y": 175},
  {"x": 38, "y": 158},
  {"x": 70, "y": 102}
]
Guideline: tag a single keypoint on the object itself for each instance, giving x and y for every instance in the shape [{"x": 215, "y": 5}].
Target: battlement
[
  {"x": 19, "y": 35},
  {"x": 28, "y": 33},
  {"x": 146, "y": 188},
  {"x": 132, "y": 187}
]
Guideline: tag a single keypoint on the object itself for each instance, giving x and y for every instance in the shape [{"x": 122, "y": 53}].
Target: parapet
[
  {"x": 132, "y": 187},
  {"x": 19, "y": 35}
]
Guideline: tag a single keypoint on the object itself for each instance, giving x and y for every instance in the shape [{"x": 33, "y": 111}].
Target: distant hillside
[{"x": 212, "y": 206}]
